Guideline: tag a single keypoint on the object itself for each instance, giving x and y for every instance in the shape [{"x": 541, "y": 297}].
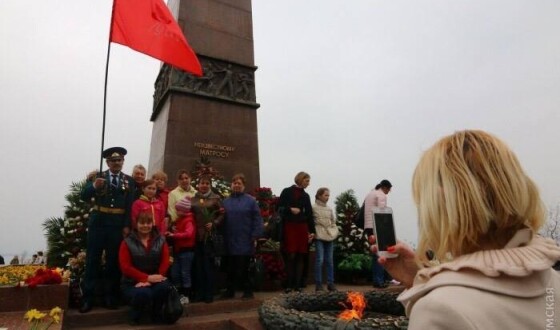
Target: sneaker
[
  {"x": 184, "y": 300},
  {"x": 395, "y": 282},
  {"x": 331, "y": 287},
  {"x": 319, "y": 287}
]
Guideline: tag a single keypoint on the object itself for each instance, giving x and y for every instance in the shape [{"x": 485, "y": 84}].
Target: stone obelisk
[{"x": 214, "y": 116}]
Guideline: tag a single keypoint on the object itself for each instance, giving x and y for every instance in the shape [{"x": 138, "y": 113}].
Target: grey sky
[{"x": 350, "y": 91}]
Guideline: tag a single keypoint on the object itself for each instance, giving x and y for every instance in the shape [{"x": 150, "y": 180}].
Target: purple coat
[{"x": 242, "y": 224}]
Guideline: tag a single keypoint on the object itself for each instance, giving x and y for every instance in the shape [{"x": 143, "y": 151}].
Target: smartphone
[{"x": 384, "y": 230}]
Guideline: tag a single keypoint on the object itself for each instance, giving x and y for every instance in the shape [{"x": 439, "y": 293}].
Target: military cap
[{"x": 114, "y": 152}]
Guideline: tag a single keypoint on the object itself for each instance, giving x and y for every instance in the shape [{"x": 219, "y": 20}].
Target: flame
[{"x": 358, "y": 302}]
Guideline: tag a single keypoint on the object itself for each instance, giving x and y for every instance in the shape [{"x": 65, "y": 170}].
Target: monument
[{"x": 214, "y": 116}]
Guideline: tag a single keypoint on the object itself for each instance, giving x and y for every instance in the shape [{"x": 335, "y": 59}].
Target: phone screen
[{"x": 384, "y": 230}]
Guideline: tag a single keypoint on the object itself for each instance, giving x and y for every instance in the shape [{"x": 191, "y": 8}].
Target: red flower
[{"x": 44, "y": 276}]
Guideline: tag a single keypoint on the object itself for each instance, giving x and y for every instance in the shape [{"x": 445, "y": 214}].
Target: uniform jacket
[
  {"x": 510, "y": 288},
  {"x": 120, "y": 197},
  {"x": 243, "y": 224}
]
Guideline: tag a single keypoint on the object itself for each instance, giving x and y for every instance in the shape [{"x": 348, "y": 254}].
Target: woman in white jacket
[{"x": 326, "y": 232}]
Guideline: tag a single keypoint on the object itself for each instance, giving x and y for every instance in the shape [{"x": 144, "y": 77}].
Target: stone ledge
[
  {"x": 15, "y": 320},
  {"x": 42, "y": 297}
]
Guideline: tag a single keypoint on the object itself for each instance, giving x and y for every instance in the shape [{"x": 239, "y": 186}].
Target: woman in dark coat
[
  {"x": 208, "y": 214},
  {"x": 298, "y": 229}
]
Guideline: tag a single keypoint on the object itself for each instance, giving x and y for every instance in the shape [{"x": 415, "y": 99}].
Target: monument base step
[{"x": 221, "y": 314}]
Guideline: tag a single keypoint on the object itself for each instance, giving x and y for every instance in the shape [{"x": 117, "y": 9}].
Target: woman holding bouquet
[{"x": 208, "y": 213}]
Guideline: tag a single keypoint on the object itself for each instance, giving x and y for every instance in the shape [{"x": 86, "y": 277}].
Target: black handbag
[{"x": 172, "y": 309}]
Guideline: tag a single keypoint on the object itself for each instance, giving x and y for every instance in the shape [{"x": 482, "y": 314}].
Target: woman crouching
[{"x": 144, "y": 259}]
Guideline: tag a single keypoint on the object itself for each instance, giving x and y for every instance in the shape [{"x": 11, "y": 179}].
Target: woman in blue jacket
[{"x": 243, "y": 225}]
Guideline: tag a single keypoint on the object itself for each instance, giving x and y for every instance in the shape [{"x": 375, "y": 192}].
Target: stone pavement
[{"x": 233, "y": 313}]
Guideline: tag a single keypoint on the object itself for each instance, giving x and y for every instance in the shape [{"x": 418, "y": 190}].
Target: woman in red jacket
[{"x": 144, "y": 260}]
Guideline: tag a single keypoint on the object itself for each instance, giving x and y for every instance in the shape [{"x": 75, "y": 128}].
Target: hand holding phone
[{"x": 384, "y": 230}]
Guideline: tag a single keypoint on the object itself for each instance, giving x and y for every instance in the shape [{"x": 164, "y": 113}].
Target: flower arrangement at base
[
  {"x": 39, "y": 321},
  {"x": 45, "y": 276},
  {"x": 203, "y": 167},
  {"x": 268, "y": 203},
  {"x": 273, "y": 266},
  {"x": 13, "y": 275}
]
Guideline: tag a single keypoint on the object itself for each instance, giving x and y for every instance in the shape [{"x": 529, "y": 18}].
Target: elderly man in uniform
[{"x": 109, "y": 221}]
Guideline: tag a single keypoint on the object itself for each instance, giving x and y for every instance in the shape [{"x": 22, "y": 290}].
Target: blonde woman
[
  {"x": 478, "y": 214},
  {"x": 298, "y": 230}
]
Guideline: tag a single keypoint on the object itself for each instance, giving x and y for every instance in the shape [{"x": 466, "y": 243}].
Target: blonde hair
[
  {"x": 472, "y": 194},
  {"x": 300, "y": 177},
  {"x": 160, "y": 175}
]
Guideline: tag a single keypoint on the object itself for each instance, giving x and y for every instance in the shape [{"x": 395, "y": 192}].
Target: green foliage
[
  {"x": 355, "y": 262},
  {"x": 66, "y": 237}
]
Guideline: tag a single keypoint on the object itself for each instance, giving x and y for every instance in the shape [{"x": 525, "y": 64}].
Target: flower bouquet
[
  {"x": 45, "y": 276},
  {"x": 36, "y": 318},
  {"x": 13, "y": 275}
]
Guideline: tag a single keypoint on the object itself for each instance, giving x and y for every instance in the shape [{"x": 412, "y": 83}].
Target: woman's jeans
[
  {"x": 377, "y": 271},
  {"x": 324, "y": 252},
  {"x": 181, "y": 269}
]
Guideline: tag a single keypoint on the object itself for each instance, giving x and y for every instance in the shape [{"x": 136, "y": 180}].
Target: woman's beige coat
[
  {"x": 511, "y": 288},
  {"x": 324, "y": 218}
]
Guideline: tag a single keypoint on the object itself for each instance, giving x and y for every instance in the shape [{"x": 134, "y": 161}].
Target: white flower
[{"x": 86, "y": 215}]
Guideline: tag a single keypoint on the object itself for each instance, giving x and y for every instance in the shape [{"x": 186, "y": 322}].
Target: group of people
[
  {"x": 141, "y": 225},
  {"x": 478, "y": 217},
  {"x": 36, "y": 259}
]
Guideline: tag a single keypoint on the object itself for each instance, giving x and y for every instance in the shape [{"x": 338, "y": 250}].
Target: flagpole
[
  {"x": 104, "y": 108},
  {"x": 105, "y": 90}
]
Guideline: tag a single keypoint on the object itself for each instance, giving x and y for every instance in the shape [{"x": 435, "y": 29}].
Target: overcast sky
[{"x": 350, "y": 91}]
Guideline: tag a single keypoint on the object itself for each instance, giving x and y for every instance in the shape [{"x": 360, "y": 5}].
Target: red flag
[{"x": 147, "y": 26}]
